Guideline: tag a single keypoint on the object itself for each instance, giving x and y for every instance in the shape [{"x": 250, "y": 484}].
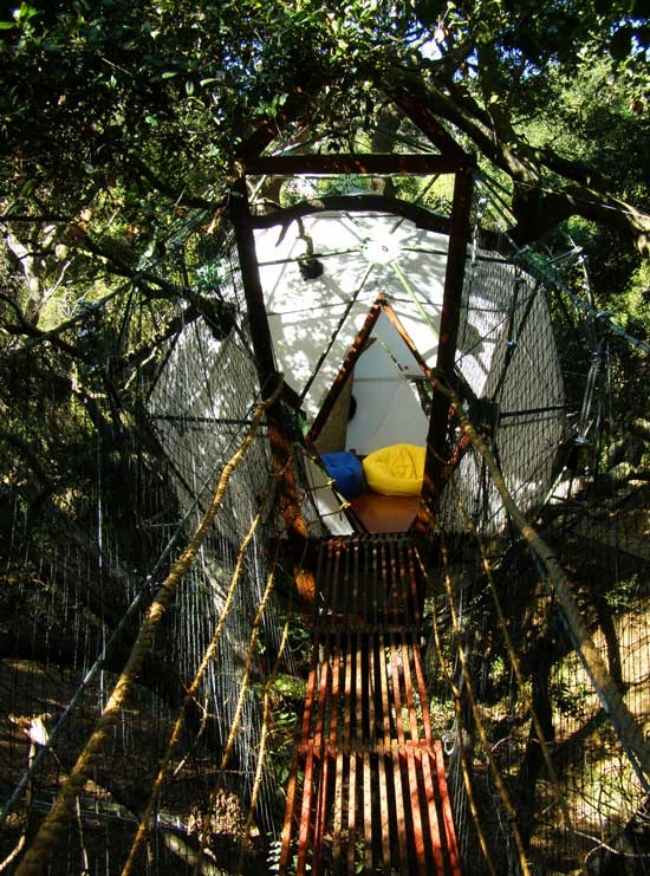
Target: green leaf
[
  {"x": 7, "y": 25},
  {"x": 25, "y": 12},
  {"x": 169, "y": 74},
  {"x": 189, "y": 87}
]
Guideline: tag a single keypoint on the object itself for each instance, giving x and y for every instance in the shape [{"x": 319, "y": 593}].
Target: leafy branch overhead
[{"x": 146, "y": 106}]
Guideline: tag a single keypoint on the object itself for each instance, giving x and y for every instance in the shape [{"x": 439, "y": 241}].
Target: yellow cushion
[{"x": 397, "y": 470}]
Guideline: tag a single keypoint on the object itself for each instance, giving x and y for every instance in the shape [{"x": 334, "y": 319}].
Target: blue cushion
[{"x": 347, "y": 471}]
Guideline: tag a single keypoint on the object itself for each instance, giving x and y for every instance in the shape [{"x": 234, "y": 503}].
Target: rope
[
  {"x": 629, "y": 734},
  {"x": 519, "y": 677},
  {"x": 261, "y": 754},
  {"x": 54, "y": 825},
  {"x": 467, "y": 781},
  {"x": 248, "y": 664},
  {"x": 478, "y": 720},
  {"x": 192, "y": 691},
  {"x": 97, "y": 665}
]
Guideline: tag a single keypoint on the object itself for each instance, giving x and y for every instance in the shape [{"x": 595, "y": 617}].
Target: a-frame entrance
[{"x": 378, "y": 398}]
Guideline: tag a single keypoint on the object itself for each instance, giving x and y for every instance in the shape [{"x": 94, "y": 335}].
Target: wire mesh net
[{"x": 72, "y": 588}]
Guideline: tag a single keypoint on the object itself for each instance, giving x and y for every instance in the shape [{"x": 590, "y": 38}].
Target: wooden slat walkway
[{"x": 368, "y": 792}]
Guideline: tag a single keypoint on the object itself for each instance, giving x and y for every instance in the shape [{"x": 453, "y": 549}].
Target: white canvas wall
[
  {"x": 405, "y": 263},
  {"x": 364, "y": 255},
  {"x": 388, "y": 406},
  {"x": 304, "y": 314}
]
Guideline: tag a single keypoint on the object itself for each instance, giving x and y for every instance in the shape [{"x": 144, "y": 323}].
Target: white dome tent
[{"x": 505, "y": 351}]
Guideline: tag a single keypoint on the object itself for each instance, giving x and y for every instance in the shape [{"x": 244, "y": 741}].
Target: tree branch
[
  {"x": 536, "y": 209},
  {"x": 179, "y": 198}
]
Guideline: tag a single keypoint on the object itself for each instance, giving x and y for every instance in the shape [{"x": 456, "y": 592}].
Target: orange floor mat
[{"x": 385, "y": 513}]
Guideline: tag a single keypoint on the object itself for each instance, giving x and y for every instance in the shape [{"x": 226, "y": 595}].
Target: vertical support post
[
  {"x": 449, "y": 321},
  {"x": 279, "y": 437},
  {"x": 240, "y": 216}
]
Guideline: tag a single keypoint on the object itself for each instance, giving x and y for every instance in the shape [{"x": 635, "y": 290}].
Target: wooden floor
[
  {"x": 368, "y": 792},
  {"x": 385, "y": 514}
]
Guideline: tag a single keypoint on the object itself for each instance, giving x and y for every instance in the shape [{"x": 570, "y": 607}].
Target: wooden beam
[
  {"x": 449, "y": 322},
  {"x": 346, "y": 369},
  {"x": 296, "y": 108},
  {"x": 240, "y": 217},
  {"x": 281, "y": 450},
  {"x": 422, "y": 117},
  {"x": 390, "y": 163},
  {"x": 421, "y": 217}
]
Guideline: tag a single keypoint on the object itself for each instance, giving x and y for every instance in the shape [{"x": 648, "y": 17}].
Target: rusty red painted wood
[
  {"x": 374, "y": 793},
  {"x": 449, "y": 323}
]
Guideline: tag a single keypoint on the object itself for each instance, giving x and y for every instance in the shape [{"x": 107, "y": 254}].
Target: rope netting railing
[
  {"x": 549, "y": 765},
  {"x": 85, "y": 734},
  {"x": 56, "y": 823}
]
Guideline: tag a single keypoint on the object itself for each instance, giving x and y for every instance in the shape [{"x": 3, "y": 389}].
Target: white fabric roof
[{"x": 363, "y": 255}]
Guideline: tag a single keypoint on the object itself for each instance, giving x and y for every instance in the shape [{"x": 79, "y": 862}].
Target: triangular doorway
[{"x": 375, "y": 402}]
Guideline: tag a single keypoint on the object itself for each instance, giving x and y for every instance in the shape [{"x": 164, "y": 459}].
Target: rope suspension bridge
[
  {"x": 373, "y": 792},
  {"x": 476, "y": 690}
]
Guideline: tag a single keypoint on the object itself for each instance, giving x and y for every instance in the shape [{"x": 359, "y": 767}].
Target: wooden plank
[
  {"x": 367, "y": 812},
  {"x": 331, "y": 708},
  {"x": 413, "y": 584},
  {"x": 414, "y": 796},
  {"x": 355, "y": 704},
  {"x": 363, "y": 736},
  {"x": 448, "y": 818},
  {"x": 310, "y": 770},
  {"x": 378, "y": 728},
  {"x": 397, "y": 767},
  {"x": 402, "y": 583},
  {"x": 423, "y": 757},
  {"x": 389, "y": 163},
  {"x": 374, "y": 583},
  {"x": 397, "y": 613},
  {"x": 334, "y": 573},
  {"x": 285, "y": 836},
  {"x": 352, "y": 811},
  {"x": 321, "y": 582},
  {"x": 291, "y": 791},
  {"x": 342, "y": 666},
  {"x": 449, "y": 322},
  {"x": 355, "y": 594},
  {"x": 346, "y": 595}
]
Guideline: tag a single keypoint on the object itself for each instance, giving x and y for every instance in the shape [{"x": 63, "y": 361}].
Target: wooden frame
[
  {"x": 391, "y": 163},
  {"x": 449, "y": 323},
  {"x": 380, "y": 305},
  {"x": 453, "y": 159}
]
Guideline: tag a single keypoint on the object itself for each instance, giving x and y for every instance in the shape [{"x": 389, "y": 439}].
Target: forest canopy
[{"x": 124, "y": 129}]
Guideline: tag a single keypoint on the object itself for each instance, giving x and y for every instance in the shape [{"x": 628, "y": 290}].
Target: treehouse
[
  {"x": 354, "y": 303},
  {"x": 370, "y": 328},
  {"x": 386, "y": 379}
]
